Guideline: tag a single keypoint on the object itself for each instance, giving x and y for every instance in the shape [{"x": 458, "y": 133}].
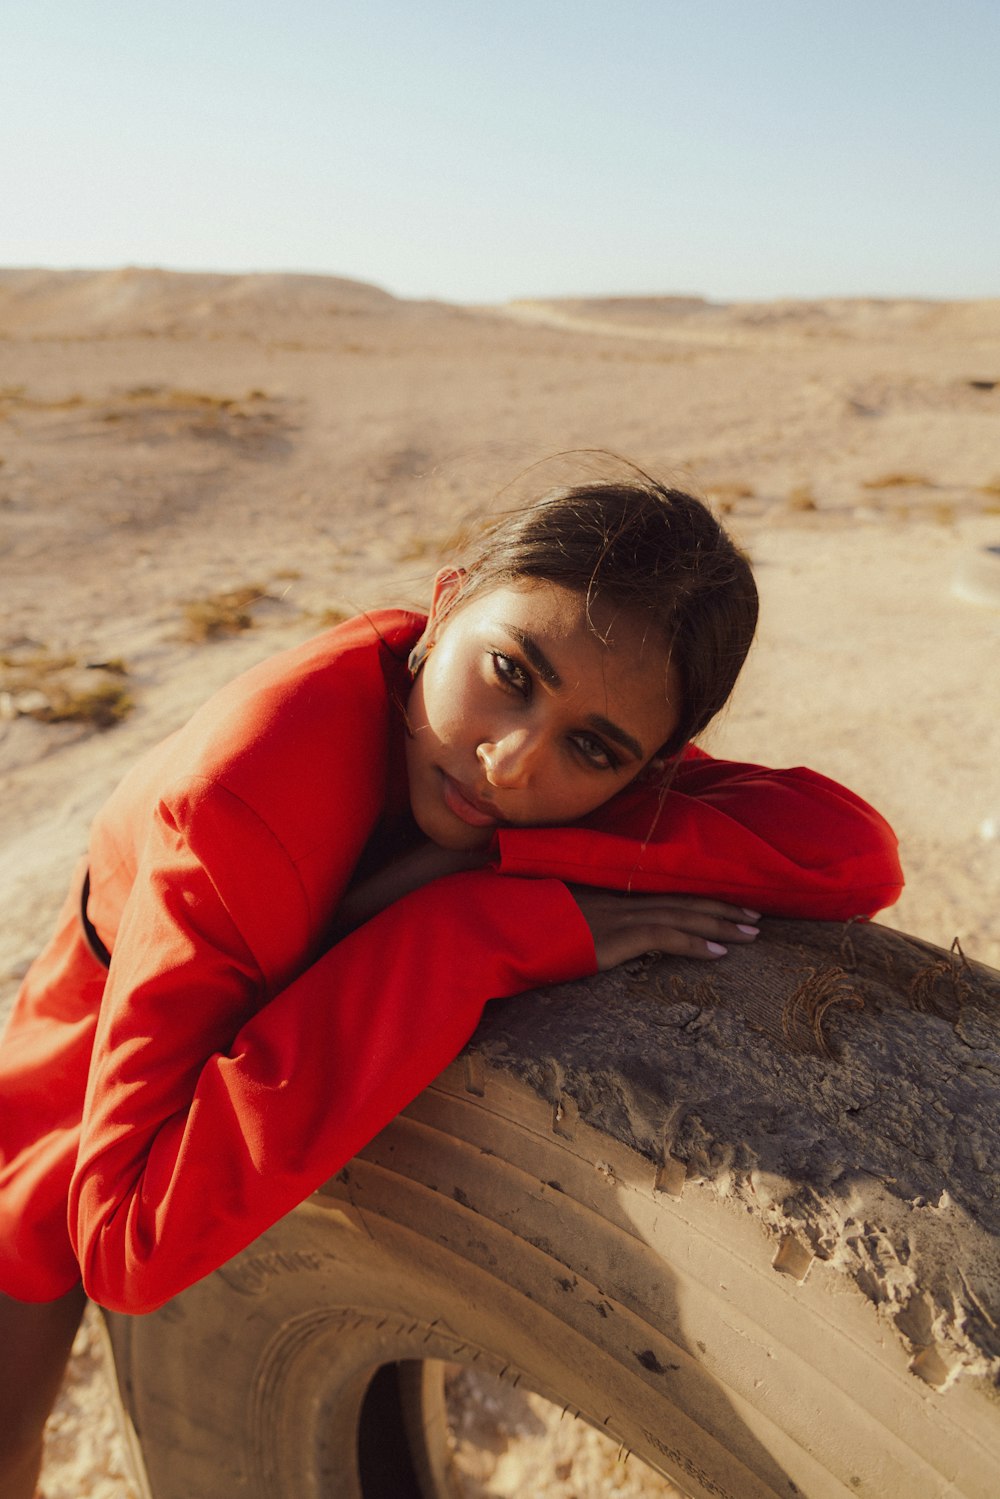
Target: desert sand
[{"x": 198, "y": 470}]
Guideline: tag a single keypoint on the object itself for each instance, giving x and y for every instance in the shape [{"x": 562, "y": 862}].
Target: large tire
[{"x": 743, "y": 1220}]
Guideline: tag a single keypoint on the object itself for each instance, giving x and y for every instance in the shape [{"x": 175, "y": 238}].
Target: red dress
[{"x": 157, "y": 1116}]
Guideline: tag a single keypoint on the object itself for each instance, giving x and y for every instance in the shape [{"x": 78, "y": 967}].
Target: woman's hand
[{"x": 686, "y": 926}]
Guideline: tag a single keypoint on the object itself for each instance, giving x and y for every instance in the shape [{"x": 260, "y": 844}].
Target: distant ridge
[
  {"x": 309, "y": 311},
  {"x": 149, "y": 301},
  {"x": 693, "y": 317}
]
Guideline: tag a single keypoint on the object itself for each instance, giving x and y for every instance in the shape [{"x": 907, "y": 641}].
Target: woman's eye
[
  {"x": 596, "y": 753},
  {"x": 510, "y": 674}
]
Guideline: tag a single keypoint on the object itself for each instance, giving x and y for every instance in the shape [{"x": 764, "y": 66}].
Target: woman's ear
[{"x": 447, "y": 586}]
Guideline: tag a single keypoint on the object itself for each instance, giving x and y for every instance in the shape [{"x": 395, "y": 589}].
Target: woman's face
[{"x": 531, "y": 709}]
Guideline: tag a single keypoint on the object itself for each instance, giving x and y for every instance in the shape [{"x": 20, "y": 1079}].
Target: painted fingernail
[
  {"x": 754, "y": 915},
  {"x": 751, "y": 931},
  {"x": 717, "y": 949}
]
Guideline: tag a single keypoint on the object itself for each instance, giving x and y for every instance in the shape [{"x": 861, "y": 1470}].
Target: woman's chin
[
  {"x": 462, "y": 840},
  {"x": 449, "y": 832}
]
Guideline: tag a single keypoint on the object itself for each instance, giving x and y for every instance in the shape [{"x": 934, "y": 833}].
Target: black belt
[{"x": 89, "y": 930}]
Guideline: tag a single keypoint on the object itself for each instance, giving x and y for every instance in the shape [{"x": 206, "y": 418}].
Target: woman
[{"x": 308, "y": 893}]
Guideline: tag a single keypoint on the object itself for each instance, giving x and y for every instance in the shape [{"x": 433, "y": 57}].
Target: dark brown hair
[{"x": 641, "y": 546}]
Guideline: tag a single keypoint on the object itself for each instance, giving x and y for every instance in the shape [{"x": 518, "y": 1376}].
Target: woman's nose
[{"x": 508, "y": 761}]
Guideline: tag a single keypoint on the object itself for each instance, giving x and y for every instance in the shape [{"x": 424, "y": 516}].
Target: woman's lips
[{"x": 466, "y": 807}]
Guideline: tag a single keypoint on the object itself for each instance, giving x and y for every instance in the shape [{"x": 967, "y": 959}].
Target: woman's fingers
[
  {"x": 695, "y": 904},
  {"x": 625, "y": 926}
]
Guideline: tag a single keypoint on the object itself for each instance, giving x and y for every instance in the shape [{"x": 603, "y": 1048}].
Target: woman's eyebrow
[
  {"x": 536, "y": 656},
  {"x": 551, "y": 678},
  {"x": 612, "y": 731}
]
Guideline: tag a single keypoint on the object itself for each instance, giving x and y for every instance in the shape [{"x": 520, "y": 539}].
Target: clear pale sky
[{"x": 475, "y": 152}]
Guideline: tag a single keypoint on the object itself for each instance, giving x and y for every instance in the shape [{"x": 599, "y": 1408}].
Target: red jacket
[{"x": 231, "y": 1060}]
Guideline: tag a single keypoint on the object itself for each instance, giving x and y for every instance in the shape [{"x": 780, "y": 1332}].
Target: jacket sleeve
[
  {"x": 784, "y": 842},
  {"x": 212, "y": 1111}
]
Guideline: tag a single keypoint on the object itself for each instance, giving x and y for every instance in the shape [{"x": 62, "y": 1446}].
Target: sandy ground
[{"x": 311, "y": 444}]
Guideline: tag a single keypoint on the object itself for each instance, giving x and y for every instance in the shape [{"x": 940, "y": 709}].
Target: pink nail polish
[
  {"x": 717, "y": 949},
  {"x": 754, "y": 915},
  {"x": 751, "y": 931}
]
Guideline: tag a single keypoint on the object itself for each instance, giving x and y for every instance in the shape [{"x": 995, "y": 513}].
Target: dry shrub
[
  {"x": 56, "y": 688},
  {"x": 103, "y": 705},
  {"x": 30, "y": 666},
  {"x": 899, "y": 480},
  {"x": 224, "y": 613},
  {"x": 17, "y": 395},
  {"x": 725, "y": 495},
  {"x": 157, "y": 413},
  {"x": 190, "y": 400},
  {"x": 327, "y": 618}
]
